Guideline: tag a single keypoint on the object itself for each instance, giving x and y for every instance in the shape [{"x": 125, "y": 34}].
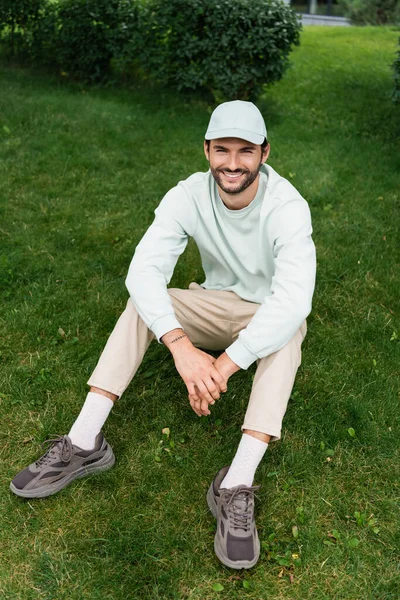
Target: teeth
[{"x": 232, "y": 175}]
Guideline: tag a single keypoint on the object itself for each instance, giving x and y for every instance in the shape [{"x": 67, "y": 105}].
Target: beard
[{"x": 250, "y": 177}]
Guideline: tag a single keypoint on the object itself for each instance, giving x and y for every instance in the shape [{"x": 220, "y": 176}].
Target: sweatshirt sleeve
[
  {"x": 155, "y": 258},
  {"x": 289, "y": 303}
]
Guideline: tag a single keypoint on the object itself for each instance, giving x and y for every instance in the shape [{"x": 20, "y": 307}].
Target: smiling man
[{"x": 253, "y": 231}]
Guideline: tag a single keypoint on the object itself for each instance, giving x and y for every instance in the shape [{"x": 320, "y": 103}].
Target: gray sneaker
[
  {"x": 236, "y": 540},
  {"x": 61, "y": 464}
]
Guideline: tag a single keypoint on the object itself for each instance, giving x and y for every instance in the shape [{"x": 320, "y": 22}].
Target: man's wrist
[
  {"x": 178, "y": 338},
  {"x": 174, "y": 339},
  {"x": 226, "y": 366}
]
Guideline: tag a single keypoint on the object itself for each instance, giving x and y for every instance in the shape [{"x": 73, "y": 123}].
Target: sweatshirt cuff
[
  {"x": 240, "y": 354},
  {"x": 163, "y": 324}
]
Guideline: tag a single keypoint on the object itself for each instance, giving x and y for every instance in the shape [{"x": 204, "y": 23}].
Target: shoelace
[
  {"x": 237, "y": 502},
  {"x": 64, "y": 451}
]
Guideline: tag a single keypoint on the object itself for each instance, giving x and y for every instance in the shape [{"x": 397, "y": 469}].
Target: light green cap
[{"x": 237, "y": 119}]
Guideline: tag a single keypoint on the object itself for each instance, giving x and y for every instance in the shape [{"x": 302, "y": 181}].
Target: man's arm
[
  {"x": 289, "y": 302},
  {"x": 149, "y": 273},
  {"x": 155, "y": 258}
]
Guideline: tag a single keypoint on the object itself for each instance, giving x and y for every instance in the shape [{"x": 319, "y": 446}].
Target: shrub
[
  {"x": 40, "y": 40},
  {"x": 396, "y": 69},
  {"x": 91, "y": 33},
  {"x": 372, "y": 12},
  {"x": 79, "y": 37},
  {"x": 16, "y": 19},
  {"x": 231, "y": 47}
]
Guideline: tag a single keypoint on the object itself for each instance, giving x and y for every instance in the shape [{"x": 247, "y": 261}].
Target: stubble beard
[{"x": 250, "y": 177}]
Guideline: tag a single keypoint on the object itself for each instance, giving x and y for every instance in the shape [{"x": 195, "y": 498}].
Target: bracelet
[{"x": 178, "y": 338}]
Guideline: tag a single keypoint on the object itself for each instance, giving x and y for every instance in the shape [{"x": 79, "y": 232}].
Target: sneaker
[
  {"x": 236, "y": 541},
  {"x": 61, "y": 464}
]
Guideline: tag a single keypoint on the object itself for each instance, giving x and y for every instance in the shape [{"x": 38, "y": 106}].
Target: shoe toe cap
[
  {"x": 240, "y": 548},
  {"x": 22, "y": 479}
]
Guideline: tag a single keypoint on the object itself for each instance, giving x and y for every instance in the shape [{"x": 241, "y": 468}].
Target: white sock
[
  {"x": 90, "y": 420},
  {"x": 244, "y": 465}
]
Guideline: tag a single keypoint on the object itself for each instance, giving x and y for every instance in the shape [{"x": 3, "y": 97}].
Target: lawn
[{"x": 81, "y": 173}]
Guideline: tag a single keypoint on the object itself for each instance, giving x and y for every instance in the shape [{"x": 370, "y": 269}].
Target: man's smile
[
  {"x": 232, "y": 175},
  {"x": 234, "y": 182}
]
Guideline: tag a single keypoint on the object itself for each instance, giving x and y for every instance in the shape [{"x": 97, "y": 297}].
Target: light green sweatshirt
[{"x": 264, "y": 253}]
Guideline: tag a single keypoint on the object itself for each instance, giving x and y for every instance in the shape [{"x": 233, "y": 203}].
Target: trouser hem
[
  {"x": 274, "y": 433},
  {"x": 117, "y": 391}
]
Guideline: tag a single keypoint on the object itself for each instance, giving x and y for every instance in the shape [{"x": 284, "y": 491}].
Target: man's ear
[
  {"x": 265, "y": 154},
  {"x": 206, "y": 150}
]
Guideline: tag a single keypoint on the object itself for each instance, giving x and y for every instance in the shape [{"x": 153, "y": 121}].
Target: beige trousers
[{"x": 212, "y": 320}]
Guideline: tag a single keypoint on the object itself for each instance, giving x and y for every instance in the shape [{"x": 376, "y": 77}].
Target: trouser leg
[
  {"x": 202, "y": 314},
  {"x": 212, "y": 320},
  {"x": 272, "y": 386},
  {"x": 123, "y": 352}
]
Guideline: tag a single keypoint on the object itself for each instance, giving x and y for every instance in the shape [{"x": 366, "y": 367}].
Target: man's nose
[{"x": 233, "y": 162}]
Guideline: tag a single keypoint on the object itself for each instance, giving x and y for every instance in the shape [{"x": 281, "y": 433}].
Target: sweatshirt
[{"x": 263, "y": 253}]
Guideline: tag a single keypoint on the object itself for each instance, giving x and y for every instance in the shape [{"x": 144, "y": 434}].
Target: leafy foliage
[
  {"x": 91, "y": 33},
  {"x": 18, "y": 13},
  {"x": 231, "y": 47},
  {"x": 16, "y": 18},
  {"x": 41, "y": 41},
  {"x": 77, "y": 37},
  {"x": 372, "y": 12}
]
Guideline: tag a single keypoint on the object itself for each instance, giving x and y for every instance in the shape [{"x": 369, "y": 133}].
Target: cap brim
[{"x": 242, "y": 134}]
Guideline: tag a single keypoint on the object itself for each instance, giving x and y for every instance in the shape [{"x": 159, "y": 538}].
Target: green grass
[
  {"x": 81, "y": 173},
  {"x": 337, "y": 10}
]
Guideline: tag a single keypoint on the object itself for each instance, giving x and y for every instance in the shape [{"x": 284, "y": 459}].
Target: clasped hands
[{"x": 204, "y": 376}]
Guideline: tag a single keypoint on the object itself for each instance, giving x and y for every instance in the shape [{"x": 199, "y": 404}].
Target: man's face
[{"x": 234, "y": 163}]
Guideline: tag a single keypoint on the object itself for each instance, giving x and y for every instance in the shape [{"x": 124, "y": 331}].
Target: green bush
[
  {"x": 80, "y": 38},
  {"x": 91, "y": 33},
  {"x": 230, "y": 47},
  {"x": 17, "y": 17},
  {"x": 372, "y": 12},
  {"x": 396, "y": 69}
]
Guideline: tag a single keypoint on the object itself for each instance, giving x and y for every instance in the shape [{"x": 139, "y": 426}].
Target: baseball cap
[{"x": 237, "y": 119}]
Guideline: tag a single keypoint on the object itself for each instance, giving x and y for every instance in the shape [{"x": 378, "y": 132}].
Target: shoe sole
[
  {"x": 104, "y": 464},
  {"x": 237, "y": 564}
]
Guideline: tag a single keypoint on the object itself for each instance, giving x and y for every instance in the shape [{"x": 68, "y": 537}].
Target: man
[{"x": 253, "y": 231}]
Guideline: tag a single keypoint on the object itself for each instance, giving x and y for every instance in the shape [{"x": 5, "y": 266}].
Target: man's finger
[
  {"x": 196, "y": 400},
  {"x": 204, "y": 408},
  {"x": 202, "y": 392},
  {"x": 191, "y": 388},
  {"x": 195, "y": 396},
  {"x": 212, "y": 388},
  {"x": 202, "y": 405},
  {"x": 219, "y": 380},
  {"x": 194, "y": 404}
]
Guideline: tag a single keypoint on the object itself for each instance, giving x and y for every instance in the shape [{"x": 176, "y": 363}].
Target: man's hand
[
  {"x": 198, "y": 370},
  {"x": 203, "y": 381}
]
